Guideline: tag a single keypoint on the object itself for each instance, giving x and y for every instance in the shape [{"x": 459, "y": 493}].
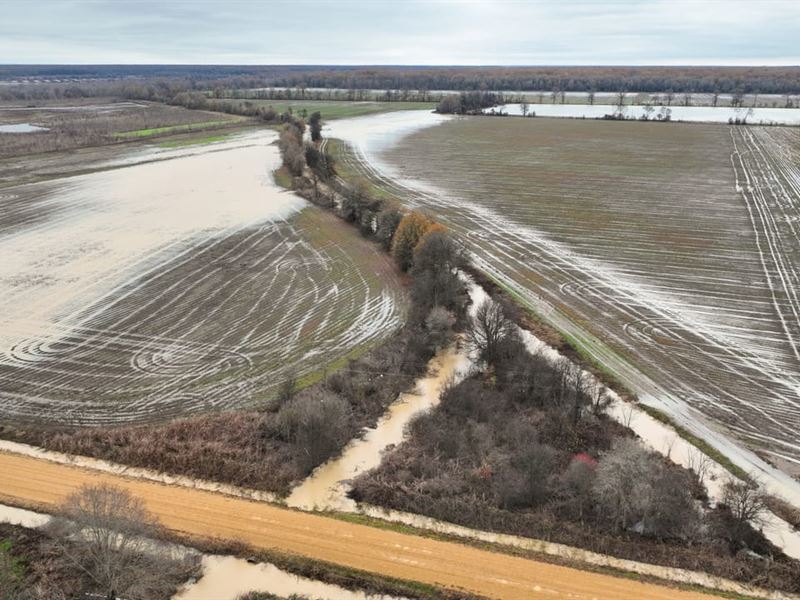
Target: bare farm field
[
  {"x": 676, "y": 245},
  {"x": 177, "y": 281},
  {"x": 46, "y": 126}
]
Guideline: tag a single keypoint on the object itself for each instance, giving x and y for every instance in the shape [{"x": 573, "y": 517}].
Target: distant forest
[{"x": 763, "y": 80}]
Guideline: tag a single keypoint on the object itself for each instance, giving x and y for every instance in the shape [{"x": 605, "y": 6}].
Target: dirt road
[{"x": 30, "y": 481}]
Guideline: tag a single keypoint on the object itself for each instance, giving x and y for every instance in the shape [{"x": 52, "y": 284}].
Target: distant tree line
[{"x": 162, "y": 82}]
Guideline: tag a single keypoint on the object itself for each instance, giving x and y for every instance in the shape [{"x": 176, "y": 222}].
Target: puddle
[
  {"x": 227, "y": 577},
  {"x": 21, "y": 128},
  {"x": 22, "y": 517}
]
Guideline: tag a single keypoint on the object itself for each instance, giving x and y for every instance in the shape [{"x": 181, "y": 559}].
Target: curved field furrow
[
  {"x": 178, "y": 318},
  {"x": 676, "y": 245}
]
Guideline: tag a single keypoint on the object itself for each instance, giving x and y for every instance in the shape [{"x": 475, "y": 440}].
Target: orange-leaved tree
[{"x": 408, "y": 234}]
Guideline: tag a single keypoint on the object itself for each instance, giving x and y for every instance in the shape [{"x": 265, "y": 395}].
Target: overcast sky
[{"x": 762, "y": 32}]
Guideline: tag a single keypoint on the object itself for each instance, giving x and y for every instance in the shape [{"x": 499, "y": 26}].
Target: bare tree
[
  {"x": 524, "y": 107},
  {"x": 116, "y": 527},
  {"x": 488, "y": 329},
  {"x": 699, "y": 463},
  {"x": 714, "y": 99},
  {"x": 590, "y": 97},
  {"x": 600, "y": 399},
  {"x": 627, "y": 414},
  {"x": 621, "y": 484},
  {"x": 669, "y": 444},
  {"x": 687, "y": 99},
  {"x": 287, "y": 388},
  {"x": 746, "y": 501}
]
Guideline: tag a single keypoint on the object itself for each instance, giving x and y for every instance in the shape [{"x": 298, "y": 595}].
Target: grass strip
[
  {"x": 138, "y": 133},
  {"x": 697, "y": 442},
  {"x": 195, "y": 141}
]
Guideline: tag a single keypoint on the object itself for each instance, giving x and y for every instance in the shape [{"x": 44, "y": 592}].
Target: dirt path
[{"x": 29, "y": 481}]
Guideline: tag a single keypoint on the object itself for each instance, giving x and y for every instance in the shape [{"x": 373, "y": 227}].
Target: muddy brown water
[{"x": 327, "y": 487}]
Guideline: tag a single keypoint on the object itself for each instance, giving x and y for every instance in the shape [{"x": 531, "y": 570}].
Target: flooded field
[
  {"x": 176, "y": 285},
  {"x": 669, "y": 251},
  {"x": 51, "y": 125},
  {"x": 21, "y": 128},
  {"x": 698, "y": 114}
]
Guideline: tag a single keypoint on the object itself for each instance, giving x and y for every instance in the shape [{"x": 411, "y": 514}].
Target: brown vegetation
[
  {"x": 527, "y": 450},
  {"x": 160, "y": 81},
  {"x": 269, "y": 449},
  {"x": 45, "y": 569},
  {"x": 94, "y": 124}
]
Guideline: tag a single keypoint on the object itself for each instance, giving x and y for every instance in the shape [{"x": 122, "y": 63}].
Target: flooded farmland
[
  {"x": 186, "y": 281},
  {"x": 668, "y": 250},
  {"x": 696, "y": 114}
]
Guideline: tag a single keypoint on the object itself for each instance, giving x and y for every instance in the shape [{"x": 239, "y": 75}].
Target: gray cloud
[{"x": 396, "y": 32}]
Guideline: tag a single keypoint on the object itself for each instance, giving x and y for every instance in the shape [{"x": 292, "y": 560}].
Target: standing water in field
[
  {"x": 177, "y": 281},
  {"x": 697, "y": 114},
  {"x": 667, "y": 251}
]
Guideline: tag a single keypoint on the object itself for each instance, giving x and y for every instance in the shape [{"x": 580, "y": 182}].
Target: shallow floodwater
[
  {"x": 699, "y": 114},
  {"x": 327, "y": 486},
  {"x": 106, "y": 226},
  {"x": 712, "y": 342},
  {"x": 22, "y": 517},
  {"x": 374, "y": 135},
  {"x": 21, "y": 128},
  {"x": 227, "y": 577}
]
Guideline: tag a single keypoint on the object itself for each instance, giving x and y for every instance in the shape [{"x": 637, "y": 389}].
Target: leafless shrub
[
  {"x": 635, "y": 492},
  {"x": 746, "y": 502},
  {"x": 699, "y": 463},
  {"x": 785, "y": 510},
  {"x": 315, "y": 424},
  {"x": 107, "y": 533}
]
